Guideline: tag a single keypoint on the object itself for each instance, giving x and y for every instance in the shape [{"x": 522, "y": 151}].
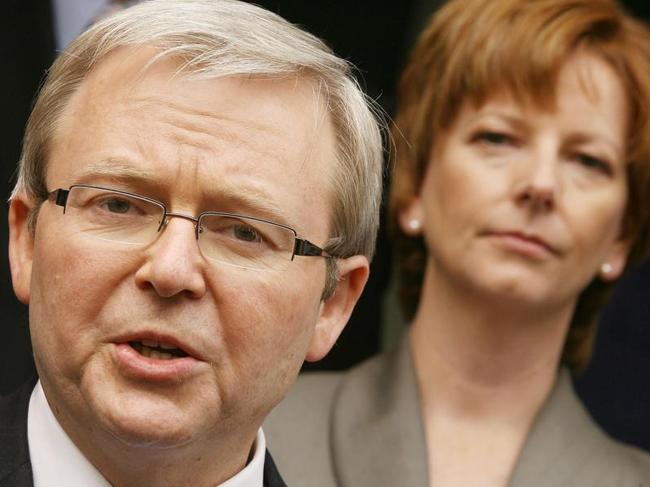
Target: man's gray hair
[{"x": 216, "y": 38}]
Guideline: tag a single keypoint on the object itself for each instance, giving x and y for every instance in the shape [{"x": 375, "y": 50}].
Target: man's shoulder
[{"x": 15, "y": 468}]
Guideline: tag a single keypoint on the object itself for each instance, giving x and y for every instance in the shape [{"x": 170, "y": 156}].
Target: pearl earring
[
  {"x": 606, "y": 268},
  {"x": 414, "y": 224}
]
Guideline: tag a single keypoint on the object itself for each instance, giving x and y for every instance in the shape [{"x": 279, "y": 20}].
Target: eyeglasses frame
[{"x": 301, "y": 247}]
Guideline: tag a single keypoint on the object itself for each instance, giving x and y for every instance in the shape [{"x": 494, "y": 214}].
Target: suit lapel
[
  {"x": 563, "y": 446},
  {"x": 378, "y": 434},
  {"x": 377, "y": 431},
  {"x": 271, "y": 475},
  {"x": 15, "y": 467}
]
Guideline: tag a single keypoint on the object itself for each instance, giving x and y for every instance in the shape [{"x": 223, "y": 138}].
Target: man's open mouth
[{"x": 157, "y": 350}]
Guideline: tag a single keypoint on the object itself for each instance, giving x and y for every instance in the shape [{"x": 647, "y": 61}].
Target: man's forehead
[
  {"x": 140, "y": 78},
  {"x": 274, "y": 119}
]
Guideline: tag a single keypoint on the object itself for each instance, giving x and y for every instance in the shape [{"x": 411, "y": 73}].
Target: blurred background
[{"x": 376, "y": 37}]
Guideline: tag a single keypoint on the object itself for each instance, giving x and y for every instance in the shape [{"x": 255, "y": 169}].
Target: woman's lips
[{"x": 523, "y": 243}]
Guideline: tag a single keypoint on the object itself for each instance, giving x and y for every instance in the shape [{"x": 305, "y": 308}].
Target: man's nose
[
  {"x": 538, "y": 185},
  {"x": 173, "y": 263}
]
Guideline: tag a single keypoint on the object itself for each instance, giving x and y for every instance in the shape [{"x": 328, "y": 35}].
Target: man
[{"x": 195, "y": 212}]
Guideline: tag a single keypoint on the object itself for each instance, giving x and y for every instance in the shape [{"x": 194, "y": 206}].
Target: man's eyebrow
[
  {"x": 243, "y": 200},
  {"x": 116, "y": 169},
  {"x": 224, "y": 197}
]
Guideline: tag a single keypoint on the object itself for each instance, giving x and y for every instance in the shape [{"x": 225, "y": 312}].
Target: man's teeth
[
  {"x": 152, "y": 344},
  {"x": 148, "y": 352},
  {"x": 156, "y": 350}
]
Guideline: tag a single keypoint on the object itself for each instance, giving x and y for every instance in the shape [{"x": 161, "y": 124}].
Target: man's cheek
[{"x": 260, "y": 320}]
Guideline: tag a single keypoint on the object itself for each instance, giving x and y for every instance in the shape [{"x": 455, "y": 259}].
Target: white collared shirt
[{"x": 56, "y": 460}]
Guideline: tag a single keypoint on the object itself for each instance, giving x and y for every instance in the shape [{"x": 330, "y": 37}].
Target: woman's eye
[
  {"x": 493, "y": 138},
  {"x": 594, "y": 163}
]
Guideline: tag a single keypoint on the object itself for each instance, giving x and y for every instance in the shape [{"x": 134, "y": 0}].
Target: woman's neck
[
  {"x": 484, "y": 366},
  {"x": 474, "y": 349}
]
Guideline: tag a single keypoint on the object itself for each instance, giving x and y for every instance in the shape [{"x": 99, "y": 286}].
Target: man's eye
[
  {"x": 246, "y": 234},
  {"x": 116, "y": 205}
]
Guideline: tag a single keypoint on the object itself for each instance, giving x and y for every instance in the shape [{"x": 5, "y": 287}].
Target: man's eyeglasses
[{"x": 241, "y": 241}]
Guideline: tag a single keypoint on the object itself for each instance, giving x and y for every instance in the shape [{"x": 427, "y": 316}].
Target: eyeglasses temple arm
[
  {"x": 306, "y": 248},
  {"x": 59, "y": 196}
]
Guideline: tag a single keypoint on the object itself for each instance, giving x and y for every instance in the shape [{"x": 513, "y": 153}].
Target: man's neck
[{"x": 143, "y": 465}]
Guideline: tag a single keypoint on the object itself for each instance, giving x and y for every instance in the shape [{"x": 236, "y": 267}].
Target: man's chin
[
  {"x": 139, "y": 419},
  {"x": 136, "y": 429}
]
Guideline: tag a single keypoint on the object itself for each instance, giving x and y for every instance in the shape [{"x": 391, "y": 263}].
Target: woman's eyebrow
[{"x": 587, "y": 136}]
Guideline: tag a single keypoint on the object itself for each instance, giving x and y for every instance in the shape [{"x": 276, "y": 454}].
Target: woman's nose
[{"x": 538, "y": 183}]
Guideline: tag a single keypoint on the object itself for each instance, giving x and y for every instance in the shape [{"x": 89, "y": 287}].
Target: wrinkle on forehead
[
  {"x": 187, "y": 124},
  {"x": 145, "y": 77},
  {"x": 196, "y": 119},
  {"x": 167, "y": 121}
]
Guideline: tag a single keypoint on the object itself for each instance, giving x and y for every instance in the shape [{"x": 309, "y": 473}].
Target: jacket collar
[{"x": 378, "y": 410}]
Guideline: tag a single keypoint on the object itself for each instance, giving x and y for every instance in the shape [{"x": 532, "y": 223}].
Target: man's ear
[
  {"x": 21, "y": 245},
  {"x": 336, "y": 310}
]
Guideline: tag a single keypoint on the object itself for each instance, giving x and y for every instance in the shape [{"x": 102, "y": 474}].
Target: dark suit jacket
[
  {"x": 364, "y": 429},
  {"x": 15, "y": 466}
]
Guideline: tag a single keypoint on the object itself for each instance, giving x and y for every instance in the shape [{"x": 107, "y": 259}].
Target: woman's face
[{"x": 527, "y": 204}]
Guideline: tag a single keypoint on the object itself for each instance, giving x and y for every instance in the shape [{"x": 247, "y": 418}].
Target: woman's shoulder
[
  {"x": 298, "y": 430},
  {"x": 640, "y": 461},
  {"x": 315, "y": 393},
  {"x": 303, "y": 417},
  {"x": 567, "y": 447},
  {"x": 361, "y": 427},
  {"x": 628, "y": 465}
]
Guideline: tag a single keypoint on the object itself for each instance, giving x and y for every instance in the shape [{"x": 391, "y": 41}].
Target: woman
[{"x": 521, "y": 192}]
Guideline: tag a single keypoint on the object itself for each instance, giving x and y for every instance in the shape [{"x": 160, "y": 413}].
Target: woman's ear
[
  {"x": 335, "y": 311},
  {"x": 21, "y": 245}
]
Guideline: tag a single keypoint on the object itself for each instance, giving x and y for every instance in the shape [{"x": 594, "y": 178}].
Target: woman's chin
[{"x": 524, "y": 289}]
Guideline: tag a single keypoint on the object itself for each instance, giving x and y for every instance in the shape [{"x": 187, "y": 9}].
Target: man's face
[{"x": 260, "y": 147}]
